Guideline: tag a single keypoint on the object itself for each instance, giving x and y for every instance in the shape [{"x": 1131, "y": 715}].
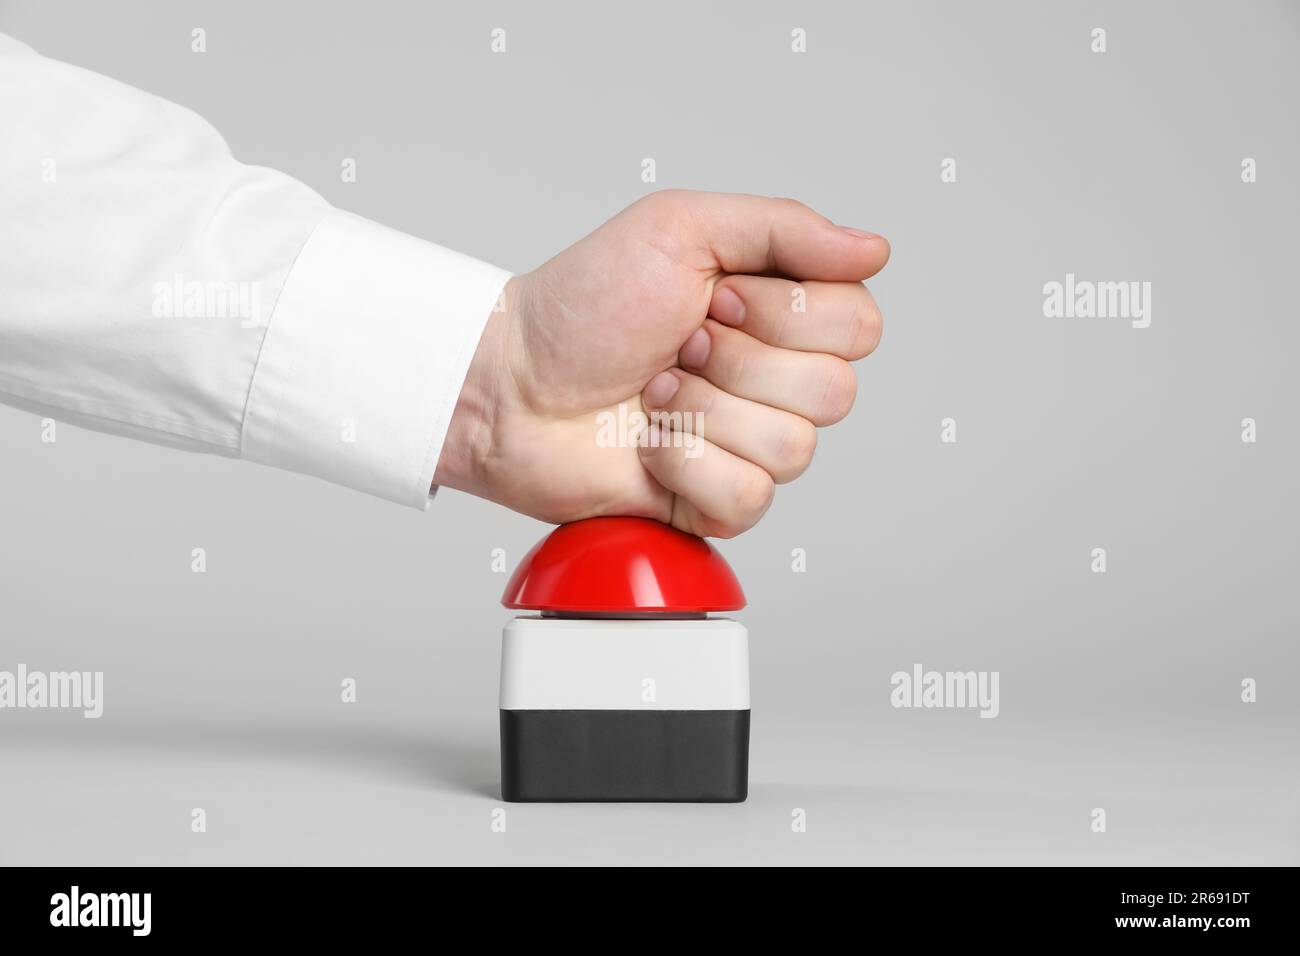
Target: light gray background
[{"x": 1118, "y": 691}]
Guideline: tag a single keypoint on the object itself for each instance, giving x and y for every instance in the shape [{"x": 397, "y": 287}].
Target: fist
[{"x": 675, "y": 364}]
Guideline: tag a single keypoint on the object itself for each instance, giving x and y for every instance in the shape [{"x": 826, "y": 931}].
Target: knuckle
[
  {"x": 867, "y": 326},
  {"x": 791, "y": 204},
  {"x": 795, "y": 454},
  {"x": 663, "y": 207},
  {"x": 841, "y": 391},
  {"x": 660, "y": 197},
  {"x": 725, "y": 529},
  {"x": 753, "y": 495}
]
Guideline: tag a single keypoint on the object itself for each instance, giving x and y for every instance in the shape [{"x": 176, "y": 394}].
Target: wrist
[{"x": 467, "y": 448}]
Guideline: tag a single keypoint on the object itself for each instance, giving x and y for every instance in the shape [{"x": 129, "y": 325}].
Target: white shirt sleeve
[{"x": 152, "y": 286}]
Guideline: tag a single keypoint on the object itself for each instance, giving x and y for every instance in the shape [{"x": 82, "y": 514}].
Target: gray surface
[{"x": 1118, "y": 691}]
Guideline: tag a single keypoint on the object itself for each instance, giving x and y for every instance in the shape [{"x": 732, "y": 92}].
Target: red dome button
[{"x": 623, "y": 566}]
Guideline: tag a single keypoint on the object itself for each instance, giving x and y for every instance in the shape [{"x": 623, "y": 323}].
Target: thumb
[{"x": 755, "y": 234}]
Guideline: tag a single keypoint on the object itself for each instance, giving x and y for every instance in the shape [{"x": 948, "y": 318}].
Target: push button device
[{"x": 622, "y": 687}]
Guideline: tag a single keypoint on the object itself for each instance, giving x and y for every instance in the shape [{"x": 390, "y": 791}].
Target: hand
[{"x": 683, "y": 302}]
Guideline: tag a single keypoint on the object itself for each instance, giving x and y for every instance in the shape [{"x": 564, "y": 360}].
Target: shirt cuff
[{"x": 364, "y": 357}]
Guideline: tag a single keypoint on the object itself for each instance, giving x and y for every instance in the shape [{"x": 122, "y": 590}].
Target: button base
[{"x": 678, "y": 756}]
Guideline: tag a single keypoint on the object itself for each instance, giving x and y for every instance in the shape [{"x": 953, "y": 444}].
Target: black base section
[{"x": 680, "y": 756}]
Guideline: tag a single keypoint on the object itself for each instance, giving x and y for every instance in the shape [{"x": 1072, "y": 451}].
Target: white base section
[{"x": 565, "y": 664}]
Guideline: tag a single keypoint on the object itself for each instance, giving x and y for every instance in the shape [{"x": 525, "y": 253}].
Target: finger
[
  {"x": 758, "y": 234},
  {"x": 840, "y": 318},
  {"x": 813, "y": 385},
  {"x": 780, "y": 443},
  {"x": 727, "y": 494},
  {"x": 688, "y": 518}
]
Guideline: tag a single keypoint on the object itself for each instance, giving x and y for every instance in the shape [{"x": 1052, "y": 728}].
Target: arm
[{"x": 152, "y": 286}]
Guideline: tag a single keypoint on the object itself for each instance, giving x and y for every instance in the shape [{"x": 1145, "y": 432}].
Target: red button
[{"x": 623, "y": 566}]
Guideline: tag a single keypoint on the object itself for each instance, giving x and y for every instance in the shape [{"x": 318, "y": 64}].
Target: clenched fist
[{"x": 740, "y": 310}]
